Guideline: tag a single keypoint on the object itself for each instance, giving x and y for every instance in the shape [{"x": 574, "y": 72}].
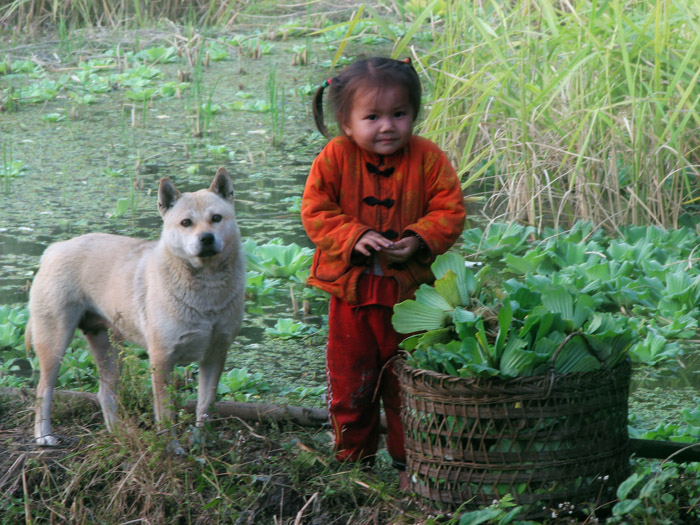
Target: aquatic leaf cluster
[
  {"x": 135, "y": 72},
  {"x": 287, "y": 328},
  {"x": 12, "y": 321},
  {"x": 274, "y": 268},
  {"x": 275, "y": 259},
  {"x": 647, "y": 273},
  {"x": 241, "y": 385},
  {"x": 520, "y": 329},
  {"x": 13, "y": 363},
  {"x": 686, "y": 432},
  {"x": 94, "y": 77}
]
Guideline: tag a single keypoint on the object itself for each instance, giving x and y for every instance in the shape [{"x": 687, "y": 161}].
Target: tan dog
[{"x": 180, "y": 297}]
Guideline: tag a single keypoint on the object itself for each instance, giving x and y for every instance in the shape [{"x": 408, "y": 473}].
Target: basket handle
[
  {"x": 563, "y": 344},
  {"x": 567, "y": 339}
]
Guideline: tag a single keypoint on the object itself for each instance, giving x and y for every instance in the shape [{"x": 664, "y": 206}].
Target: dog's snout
[{"x": 208, "y": 245}]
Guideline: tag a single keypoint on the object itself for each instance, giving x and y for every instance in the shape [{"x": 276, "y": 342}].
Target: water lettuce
[{"x": 525, "y": 328}]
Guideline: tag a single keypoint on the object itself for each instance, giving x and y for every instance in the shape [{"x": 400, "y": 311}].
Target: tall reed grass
[
  {"x": 558, "y": 110},
  {"x": 73, "y": 14}
]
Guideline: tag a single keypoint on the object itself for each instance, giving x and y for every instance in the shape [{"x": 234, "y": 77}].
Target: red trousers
[{"x": 361, "y": 339}]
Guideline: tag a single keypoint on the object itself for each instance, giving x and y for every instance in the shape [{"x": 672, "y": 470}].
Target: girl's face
[{"x": 381, "y": 120}]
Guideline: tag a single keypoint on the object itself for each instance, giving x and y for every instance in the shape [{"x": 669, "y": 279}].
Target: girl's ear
[{"x": 343, "y": 124}]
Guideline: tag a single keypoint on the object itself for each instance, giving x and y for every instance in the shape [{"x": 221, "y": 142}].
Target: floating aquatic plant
[
  {"x": 240, "y": 384},
  {"x": 19, "y": 67},
  {"x": 157, "y": 54},
  {"x": 216, "y": 51},
  {"x": 530, "y": 328},
  {"x": 276, "y": 259},
  {"x": 12, "y": 321},
  {"x": 287, "y": 328}
]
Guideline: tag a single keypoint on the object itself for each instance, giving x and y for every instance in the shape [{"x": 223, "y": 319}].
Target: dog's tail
[{"x": 28, "y": 336}]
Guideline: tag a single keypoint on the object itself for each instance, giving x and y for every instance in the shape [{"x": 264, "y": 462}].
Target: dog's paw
[
  {"x": 175, "y": 448},
  {"x": 203, "y": 420},
  {"x": 46, "y": 441}
]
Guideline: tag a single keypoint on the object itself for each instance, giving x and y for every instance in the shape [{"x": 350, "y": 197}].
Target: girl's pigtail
[{"x": 318, "y": 108}]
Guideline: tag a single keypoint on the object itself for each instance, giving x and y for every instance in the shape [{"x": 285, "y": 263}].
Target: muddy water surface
[{"x": 96, "y": 167}]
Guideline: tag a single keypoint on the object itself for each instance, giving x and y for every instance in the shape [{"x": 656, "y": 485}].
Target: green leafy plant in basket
[{"x": 465, "y": 328}]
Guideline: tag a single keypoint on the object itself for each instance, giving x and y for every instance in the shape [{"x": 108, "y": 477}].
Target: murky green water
[
  {"x": 78, "y": 171},
  {"x": 64, "y": 189}
]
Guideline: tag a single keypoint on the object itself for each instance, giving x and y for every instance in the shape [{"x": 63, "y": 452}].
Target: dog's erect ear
[
  {"x": 222, "y": 185},
  {"x": 167, "y": 195}
]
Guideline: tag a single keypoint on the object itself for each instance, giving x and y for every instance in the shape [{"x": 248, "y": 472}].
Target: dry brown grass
[{"x": 246, "y": 473}]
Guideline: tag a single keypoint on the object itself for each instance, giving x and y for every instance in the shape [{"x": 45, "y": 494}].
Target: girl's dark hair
[{"x": 371, "y": 73}]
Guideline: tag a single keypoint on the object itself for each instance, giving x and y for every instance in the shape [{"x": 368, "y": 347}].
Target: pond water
[
  {"x": 76, "y": 171},
  {"x": 97, "y": 169}
]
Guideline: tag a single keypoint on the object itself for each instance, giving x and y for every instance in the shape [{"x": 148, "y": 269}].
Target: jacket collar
[{"x": 383, "y": 162}]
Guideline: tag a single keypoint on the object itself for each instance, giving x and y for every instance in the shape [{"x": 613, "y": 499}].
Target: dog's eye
[
  {"x": 186, "y": 223},
  {"x": 216, "y": 218}
]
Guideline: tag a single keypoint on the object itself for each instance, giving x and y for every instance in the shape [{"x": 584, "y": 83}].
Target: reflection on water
[
  {"x": 659, "y": 394},
  {"x": 10, "y": 246},
  {"x": 17, "y": 258},
  {"x": 683, "y": 372}
]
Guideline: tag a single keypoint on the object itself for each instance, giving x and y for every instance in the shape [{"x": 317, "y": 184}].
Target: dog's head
[{"x": 199, "y": 226}]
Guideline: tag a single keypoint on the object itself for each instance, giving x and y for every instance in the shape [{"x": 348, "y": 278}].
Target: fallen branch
[
  {"x": 29, "y": 394},
  {"x": 300, "y": 514},
  {"x": 315, "y": 417},
  {"x": 304, "y": 416},
  {"x": 666, "y": 450}
]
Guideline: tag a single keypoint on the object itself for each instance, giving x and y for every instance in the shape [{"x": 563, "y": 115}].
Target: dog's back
[{"x": 90, "y": 274}]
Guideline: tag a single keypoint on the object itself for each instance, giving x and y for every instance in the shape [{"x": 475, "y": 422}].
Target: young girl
[{"x": 379, "y": 204}]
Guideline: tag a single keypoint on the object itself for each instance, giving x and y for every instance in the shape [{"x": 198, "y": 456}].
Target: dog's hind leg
[
  {"x": 108, "y": 365},
  {"x": 50, "y": 338},
  {"x": 49, "y": 365}
]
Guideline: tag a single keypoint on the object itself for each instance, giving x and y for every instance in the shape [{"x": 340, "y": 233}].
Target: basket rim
[{"x": 401, "y": 362}]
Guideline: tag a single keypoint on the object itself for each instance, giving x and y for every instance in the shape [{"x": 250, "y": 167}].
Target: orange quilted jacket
[{"x": 348, "y": 191}]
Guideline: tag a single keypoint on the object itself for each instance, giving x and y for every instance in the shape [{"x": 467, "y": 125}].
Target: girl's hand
[
  {"x": 372, "y": 241},
  {"x": 402, "y": 250}
]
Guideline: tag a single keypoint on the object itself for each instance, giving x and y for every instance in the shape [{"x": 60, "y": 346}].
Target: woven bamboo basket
[{"x": 546, "y": 440}]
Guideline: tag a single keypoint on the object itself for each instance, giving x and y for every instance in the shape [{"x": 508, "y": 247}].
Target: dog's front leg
[
  {"x": 209, "y": 374},
  {"x": 161, "y": 368},
  {"x": 108, "y": 364}
]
